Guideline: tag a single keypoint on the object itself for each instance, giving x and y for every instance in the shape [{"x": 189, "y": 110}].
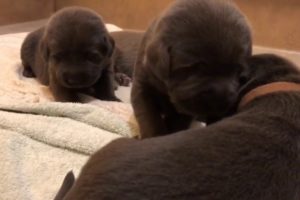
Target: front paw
[
  {"x": 107, "y": 97},
  {"x": 115, "y": 99},
  {"x": 28, "y": 73},
  {"x": 67, "y": 97},
  {"x": 122, "y": 79}
]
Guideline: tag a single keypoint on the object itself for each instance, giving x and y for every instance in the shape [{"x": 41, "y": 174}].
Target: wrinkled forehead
[
  {"x": 77, "y": 40},
  {"x": 210, "y": 51}
]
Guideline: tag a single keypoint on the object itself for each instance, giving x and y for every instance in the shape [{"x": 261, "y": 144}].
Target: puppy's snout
[
  {"x": 72, "y": 80},
  {"x": 217, "y": 98},
  {"x": 78, "y": 80},
  {"x": 219, "y": 92},
  {"x": 223, "y": 92}
]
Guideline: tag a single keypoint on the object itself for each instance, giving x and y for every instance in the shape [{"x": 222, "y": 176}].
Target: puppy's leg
[
  {"x": 60, "y": 93},
  {"x": 105, "y": 88},
  {"x": 147, "y": 112}
]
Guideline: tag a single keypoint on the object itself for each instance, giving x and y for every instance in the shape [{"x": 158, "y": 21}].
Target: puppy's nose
[
  {"x": 73, "y": 79},
  {"x": 219, "y": 95}
]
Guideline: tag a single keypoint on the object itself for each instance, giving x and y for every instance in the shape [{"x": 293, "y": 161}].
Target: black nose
[
  {"x": 72, "y": 80},
  {"x": 76, "y": 79},
  {"x": 218, "y": 97}
]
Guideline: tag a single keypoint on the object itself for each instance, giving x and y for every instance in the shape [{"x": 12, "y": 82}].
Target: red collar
[{"x": 267, "y": 89}]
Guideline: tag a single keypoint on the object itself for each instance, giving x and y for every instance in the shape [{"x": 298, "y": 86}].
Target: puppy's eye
[
  {"x": 196, "y": 64},
  {"x": 93, "y": 57},
  {"x": 243, "y": 79},
  {"x": 194, "y": 68},
  {"x": 243, "y": 74},
  {"x": 57, "y": 56}
]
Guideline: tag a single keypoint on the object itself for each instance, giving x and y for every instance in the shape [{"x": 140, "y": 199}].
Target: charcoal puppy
[
  {"x": 253, "y": 154},
  {"x": 190, "y": 65},
  {"x": 127, "y": 44},
  {"x": 71, "y": 54}
]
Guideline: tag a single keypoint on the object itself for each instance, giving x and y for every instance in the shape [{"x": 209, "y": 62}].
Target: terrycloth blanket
[{"x": 42, "y": 140}]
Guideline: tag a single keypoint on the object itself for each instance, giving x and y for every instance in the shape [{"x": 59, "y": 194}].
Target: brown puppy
[
  {"x": 251, "y": 155},
  {"x": 71, "y": 54},
  {"x": 127, "y": 44},
  {"x": 189, "y": 65}
]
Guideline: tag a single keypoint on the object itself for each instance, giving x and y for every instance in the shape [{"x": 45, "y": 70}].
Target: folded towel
[{"x": 41, "y": 142}]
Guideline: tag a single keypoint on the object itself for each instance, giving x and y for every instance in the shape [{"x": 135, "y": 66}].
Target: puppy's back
[{"x": 127, "y": 45}]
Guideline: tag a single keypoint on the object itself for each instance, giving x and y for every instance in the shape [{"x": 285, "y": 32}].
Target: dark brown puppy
[
  {"x": 251, "y": 155},
  {"x": 71, "y": 54},
  {"x": 127, "y": 44},
  {"x": 189, "y": 65}
]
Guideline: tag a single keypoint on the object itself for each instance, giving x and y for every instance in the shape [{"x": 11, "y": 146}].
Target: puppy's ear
[
  {"x": 108, "y": 45},
  {"x": 158, "y": 57},
  {"x": 66, "y": 186},
  {"x": 44, "y": 49}
]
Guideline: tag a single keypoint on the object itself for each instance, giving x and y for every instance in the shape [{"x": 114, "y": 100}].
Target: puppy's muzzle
[
  {"x": 79, "y": 79},
  {"x": 205, "y": 103}
]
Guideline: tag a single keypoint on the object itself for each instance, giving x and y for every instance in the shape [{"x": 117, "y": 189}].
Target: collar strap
[{"x": 267, "y": 89}]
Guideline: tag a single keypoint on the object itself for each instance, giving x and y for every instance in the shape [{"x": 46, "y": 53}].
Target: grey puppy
[
  {"x": 252, "y": 155},
  {"x": 190, "y": 65},
  {"x": 71, "y": 54},
  {"x": 127, "y": 44}
]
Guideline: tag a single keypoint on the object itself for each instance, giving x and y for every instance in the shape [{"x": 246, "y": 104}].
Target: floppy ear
[
  {"x": 158, "y": 59},
  {"x": 66, "y": 186},
  {"x": 44, "y": 49},
  {"x": 109, "y": 45}
]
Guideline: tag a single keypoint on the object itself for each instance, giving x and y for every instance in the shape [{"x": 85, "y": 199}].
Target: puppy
[
  {"x": 71, "y": 54},
  {"x": 190, "y": 65},
  {"x": 127, "y": 44},
  {"x": 252, "y": 155}
]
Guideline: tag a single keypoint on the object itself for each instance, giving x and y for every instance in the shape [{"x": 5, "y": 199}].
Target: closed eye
[
  {"x": 192, "y": 66},
  {"x": 93, "y": 57},
  {"x": 199, "y": 68},
  {"x": 58, "y": 56}
]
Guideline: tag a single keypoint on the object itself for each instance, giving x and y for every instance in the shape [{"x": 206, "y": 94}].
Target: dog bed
[{"x": 41, "y": 140}]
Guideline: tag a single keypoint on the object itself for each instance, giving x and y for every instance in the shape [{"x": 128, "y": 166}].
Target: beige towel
[{"x": 41, "y": 142}]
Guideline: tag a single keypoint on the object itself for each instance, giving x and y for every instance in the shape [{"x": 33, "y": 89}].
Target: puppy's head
[
  {"x": 77, "y": 47},
  {"x": 199, "y": 49}
]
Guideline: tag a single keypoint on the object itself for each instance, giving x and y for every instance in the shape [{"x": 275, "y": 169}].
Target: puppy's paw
[
  {"x": 28, "y": 73},
  {"x": 115, "y": 99},
  {"x": 66, "y": 96},
  {"x": 122, "y": 79},
  {"x": 109, "y": 97},
  {"x": 116, "y": 85}
]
